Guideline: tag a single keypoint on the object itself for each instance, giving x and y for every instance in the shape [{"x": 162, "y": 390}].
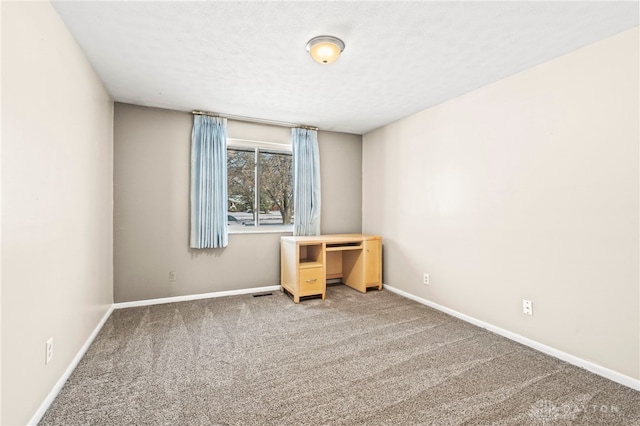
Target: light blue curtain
[
  {"x": 306, "y": 182},
  {"x": 209, "y": 182}
]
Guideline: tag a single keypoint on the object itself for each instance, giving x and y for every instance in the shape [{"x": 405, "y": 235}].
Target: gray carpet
[{"x": 353, "y": 359}]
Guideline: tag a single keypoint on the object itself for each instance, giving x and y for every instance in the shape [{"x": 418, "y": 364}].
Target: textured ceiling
[{"x": 249, "y": 58}]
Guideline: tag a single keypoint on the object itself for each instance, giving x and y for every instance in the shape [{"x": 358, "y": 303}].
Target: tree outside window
[{"x": 262, "y": 177}]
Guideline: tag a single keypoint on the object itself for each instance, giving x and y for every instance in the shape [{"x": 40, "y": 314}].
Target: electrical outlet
[
  {"x": 48, "y": 346},
  {"x": 527, "y": 307},
  {"x": 425, "y": 279},
  {"x": 172, "y": 276}
]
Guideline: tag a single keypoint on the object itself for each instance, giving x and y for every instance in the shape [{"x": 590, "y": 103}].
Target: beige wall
[
  {"x": 523, "y": 189},
  {"x": 151, "y": 214},
  {"x": 57, "y": 143},
  {"x": 0, "y": 216}
]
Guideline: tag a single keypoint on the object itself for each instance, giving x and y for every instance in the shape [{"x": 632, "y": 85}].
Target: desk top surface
[{"x": 331, "y": 238}]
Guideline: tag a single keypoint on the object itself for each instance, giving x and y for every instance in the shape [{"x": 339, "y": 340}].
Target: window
[{"x": 259, "y": 186}]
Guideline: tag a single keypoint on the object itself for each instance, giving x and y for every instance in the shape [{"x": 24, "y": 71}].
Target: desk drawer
[{"x": 311, "y": 281}]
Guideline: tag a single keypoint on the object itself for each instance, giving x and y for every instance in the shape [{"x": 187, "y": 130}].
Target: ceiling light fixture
[{"x": 325, "y": 49}]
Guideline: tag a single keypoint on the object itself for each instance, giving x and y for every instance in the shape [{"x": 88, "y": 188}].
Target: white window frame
[{"x": 257, "y": 146}]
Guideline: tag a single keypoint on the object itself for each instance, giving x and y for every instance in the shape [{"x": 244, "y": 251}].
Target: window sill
[{"x": 256, "y": 230}]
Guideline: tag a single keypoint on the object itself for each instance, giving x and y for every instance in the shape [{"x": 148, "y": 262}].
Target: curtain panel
[
  {"x": 306, "y": 182},
  {"x": 209, "y": 182}
]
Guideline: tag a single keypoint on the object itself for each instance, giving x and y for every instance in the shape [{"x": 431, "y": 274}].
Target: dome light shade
[{"x": 325, "y": 49}]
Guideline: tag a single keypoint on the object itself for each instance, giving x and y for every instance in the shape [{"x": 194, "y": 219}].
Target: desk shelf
[
  {"x": 305, "y": 264},
  {"x": 343, "y": 248}
]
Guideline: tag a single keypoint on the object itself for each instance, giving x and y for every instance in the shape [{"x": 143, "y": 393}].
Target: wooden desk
[{"x": 307, "y": 262}]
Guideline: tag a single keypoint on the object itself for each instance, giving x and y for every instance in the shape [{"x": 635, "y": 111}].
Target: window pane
[
  {"x": 276, "y": 188},
  {"x": 240, "y": 187}
]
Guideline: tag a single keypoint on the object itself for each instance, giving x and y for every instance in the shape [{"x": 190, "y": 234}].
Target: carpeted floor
[{"x": 353, "y": 359}]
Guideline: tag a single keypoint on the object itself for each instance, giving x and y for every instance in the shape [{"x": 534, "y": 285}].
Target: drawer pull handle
[{"x": 312, "y": 281}]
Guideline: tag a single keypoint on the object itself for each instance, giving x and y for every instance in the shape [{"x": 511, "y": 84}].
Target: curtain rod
[{"x": 253, "y": 120}]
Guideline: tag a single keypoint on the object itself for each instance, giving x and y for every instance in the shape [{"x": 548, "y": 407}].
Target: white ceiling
[{"x": 249, "y": 58}]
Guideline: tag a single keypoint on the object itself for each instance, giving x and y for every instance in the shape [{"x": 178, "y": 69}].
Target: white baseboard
[
  {"x": 173, "y": 299},
  {"x": 63, "y": 379},
  {"x": 571, "y": 359}
]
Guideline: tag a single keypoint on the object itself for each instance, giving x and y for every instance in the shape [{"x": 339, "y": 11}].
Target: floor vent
[{"x": 263, "y": 294}]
